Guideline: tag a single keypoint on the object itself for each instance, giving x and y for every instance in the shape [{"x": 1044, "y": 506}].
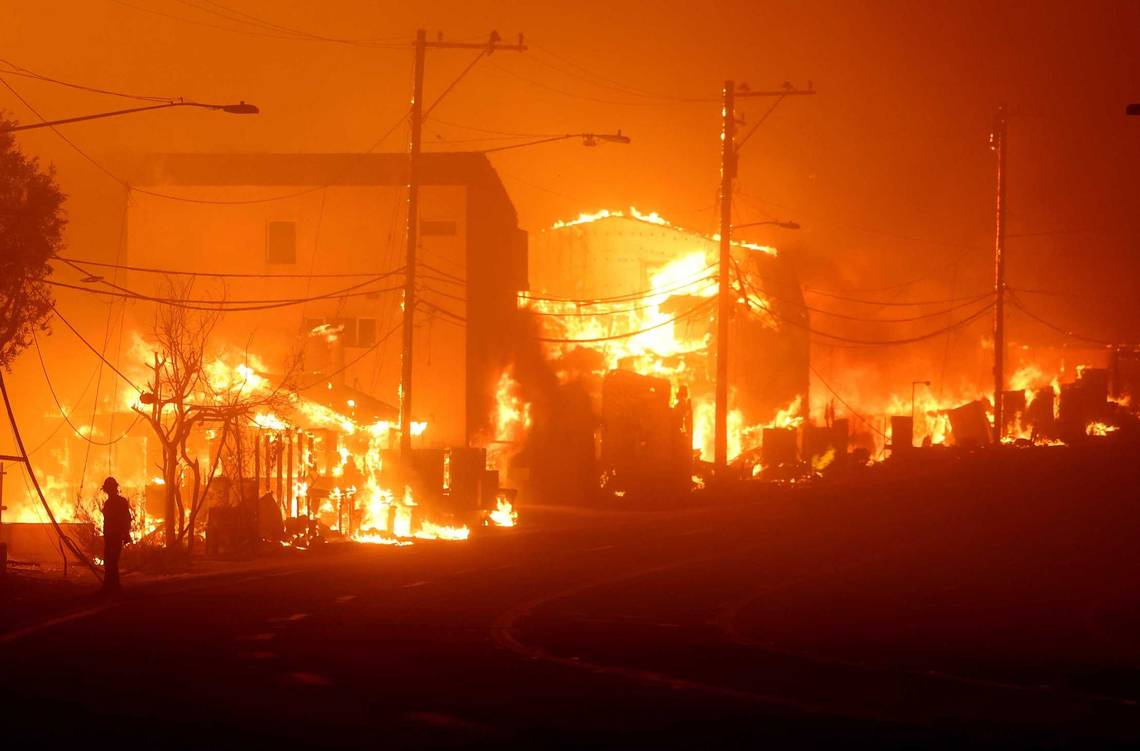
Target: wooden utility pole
[
  {"x": 412, "y": 239},
  {"x": 725, "y": 293},
  {"x": 998, "y": 143},
  {"x": 724, "y": 296},
  {"x": 416, "y": 118}
]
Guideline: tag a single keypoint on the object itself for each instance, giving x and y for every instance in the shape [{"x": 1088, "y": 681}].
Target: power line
[
  {"x": 253, "y": 32},
  {"x": 19, "y": 70},
  {"x": 448, "y": 295},
  {"x": 443, "y": 273},
  {"x": 433, "y": 277},
  {"x": 225, "y": 274},
  {"x": 756, "y": 126},
  {"x": 355, "y": 360},
  {"x": 452, "y": 85},
  {"x": 269, "y": 199},
  {"x": 60, "y": 424},
  {"x": 63, "y": 411},
  {"x": 583, "y": 313},
  {"x": 97, "y": 352},
  {"x": 113, "y": 285},
  {"x": 574, "y": 95},
  {"x": 885, "y": 303},
  {"x": 221, "y": 306},
  {"x": 691, "y": 311},
  {"x": 102, "y": 355},
  {"x": 603, "y": 82},
  {"x": 843, "y": 401},
  {"x": 961, "y": 303},
  {"x": 444, "y": 311},
  {"x": 870, "y": 230},
  {"x": 1060, "y": 293},
  {"x": 184, "y": 199},
  {"x": 503, "y": 133},
  {"x": 1059, "y": 329},
  {"x": 232, "y": 14},
  {"x": 875, "y": 342},
  {"x": 67, "y": 541},
  {"x": 65, "y": 139},
  {"x": 641, "y": 294}
]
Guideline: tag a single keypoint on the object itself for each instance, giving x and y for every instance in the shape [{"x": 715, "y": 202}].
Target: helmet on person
[{"x": 110, "y": 485}]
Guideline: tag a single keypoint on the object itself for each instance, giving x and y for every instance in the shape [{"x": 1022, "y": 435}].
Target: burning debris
[
  {"x": 624, "y": 308},
  {"x": 620, "y": 302}
]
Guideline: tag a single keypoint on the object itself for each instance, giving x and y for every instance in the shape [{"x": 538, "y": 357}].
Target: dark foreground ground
[{"x": 985, "y": 602}]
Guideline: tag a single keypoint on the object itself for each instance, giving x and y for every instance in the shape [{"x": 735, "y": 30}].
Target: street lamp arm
[
  {"x": 588, "y": 139},
  {"x": 776, "y": 222},
  {"x": 237, "y": 109}
]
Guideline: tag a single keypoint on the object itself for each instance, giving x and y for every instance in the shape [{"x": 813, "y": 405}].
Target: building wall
[
  {"x": 768, "y": 356},
  {"x": 338, "y": 229}
]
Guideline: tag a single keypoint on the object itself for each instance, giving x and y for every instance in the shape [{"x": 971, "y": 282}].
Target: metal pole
[
  {"x": 294, "y": 511},
  {"x": 268, "y": 448},
  {"x": 724, "y": 294},
  {"x": 410, "y": 261},
  {"x": 999, "y": 145},
  {"x": 278, "y": 455},
  {"x": 257, "y": 464}
]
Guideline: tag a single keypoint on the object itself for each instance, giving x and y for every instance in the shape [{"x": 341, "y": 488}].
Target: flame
[
  {"x": 512, "y": 413},
  {"x": 504, "y": 514},
  {"x": 1097, "y": 428},
  {"x": 665, "y": 333}
]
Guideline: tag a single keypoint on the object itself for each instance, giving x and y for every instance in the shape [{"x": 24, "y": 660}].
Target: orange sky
[{"x": 886, "y": 168}]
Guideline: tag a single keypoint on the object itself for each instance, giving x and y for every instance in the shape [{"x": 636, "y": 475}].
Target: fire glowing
[{"x": 504, "y": 514}]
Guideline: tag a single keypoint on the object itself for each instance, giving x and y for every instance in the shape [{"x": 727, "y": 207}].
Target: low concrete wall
[{"x": 39, "y": 543}]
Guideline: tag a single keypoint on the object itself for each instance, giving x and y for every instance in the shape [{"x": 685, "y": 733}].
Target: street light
[
  {"x": 241, "y": 108},
  {"x": 588, "y": 139},
  {"x": 776, "y": 222}
]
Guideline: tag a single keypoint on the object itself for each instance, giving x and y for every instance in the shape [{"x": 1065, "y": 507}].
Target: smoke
[{"x": 559, "y": 447}]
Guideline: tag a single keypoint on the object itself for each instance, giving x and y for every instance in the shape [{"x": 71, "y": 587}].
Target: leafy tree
[{"x": 31, "y": 232}]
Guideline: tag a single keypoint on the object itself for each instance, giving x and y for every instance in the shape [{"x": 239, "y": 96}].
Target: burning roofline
[{"x": 652, "y": 218}]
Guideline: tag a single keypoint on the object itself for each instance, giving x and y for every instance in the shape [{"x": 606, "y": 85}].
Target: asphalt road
[{"x": 900, "y": 611}]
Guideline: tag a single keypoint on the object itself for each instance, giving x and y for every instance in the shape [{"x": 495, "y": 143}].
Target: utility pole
[
  {"x": 724, "y": 293},
  {"x": 416, "y": 118},
  {"x": 998, "y": 143},
  {"x": 724, "y": 297}
]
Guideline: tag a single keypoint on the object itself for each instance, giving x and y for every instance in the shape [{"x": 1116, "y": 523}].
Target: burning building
[
  {"x": 289, "y": 269},
  {"x": 625, "y": 305},
  {"x": 329, "y": 229}
]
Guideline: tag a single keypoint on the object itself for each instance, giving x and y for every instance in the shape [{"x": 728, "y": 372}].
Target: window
[
  {"x": 281, "y": 242},
  {"x": 365, "y": 332}
]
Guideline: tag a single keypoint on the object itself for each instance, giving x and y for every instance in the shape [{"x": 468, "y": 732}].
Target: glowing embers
[
  {"x": 504, "y": 514},
  {"x": 336, "y": 470},
  {"x": 1099, "y": 429}
]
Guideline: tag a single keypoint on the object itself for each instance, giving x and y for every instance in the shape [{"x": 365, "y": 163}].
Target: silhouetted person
[{"x": 116, "y": 533}]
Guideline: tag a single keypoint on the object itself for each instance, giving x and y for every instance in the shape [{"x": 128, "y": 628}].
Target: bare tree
[
  {"x": 184, "y": 395},
  {"x": 181, "y": 335}
]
